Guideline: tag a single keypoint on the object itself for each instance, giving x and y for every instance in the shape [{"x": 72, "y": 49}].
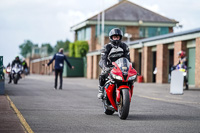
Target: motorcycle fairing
[{"x": 109, "y": 92}]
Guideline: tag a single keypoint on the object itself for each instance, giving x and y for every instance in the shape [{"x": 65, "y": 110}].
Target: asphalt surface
[{"x": 76, "y": 109}]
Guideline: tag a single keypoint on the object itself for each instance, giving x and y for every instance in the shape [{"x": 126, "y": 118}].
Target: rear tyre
[{"x": 123, "y": 107}]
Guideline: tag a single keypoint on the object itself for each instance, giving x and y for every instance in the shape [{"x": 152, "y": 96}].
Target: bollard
[
  {"x": 2, "y": 87},
  {"x": 176, "y": 85}
]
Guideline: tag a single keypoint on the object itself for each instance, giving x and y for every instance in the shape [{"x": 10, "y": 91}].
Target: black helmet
[
  {"x": 17, "y": 57},
  {"x": 116, "y": 32}
]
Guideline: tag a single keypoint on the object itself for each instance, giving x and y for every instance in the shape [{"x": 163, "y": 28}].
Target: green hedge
[
  {"x": 71, "y": 50},
  {"x": 78, "y": 49}
]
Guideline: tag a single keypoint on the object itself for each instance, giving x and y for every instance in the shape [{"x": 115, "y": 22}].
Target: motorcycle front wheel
[
  {"x": 16, "y": 78},
  {"x": 123, "y": 107}
]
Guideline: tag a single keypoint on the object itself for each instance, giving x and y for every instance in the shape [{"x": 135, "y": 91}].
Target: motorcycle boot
[
  {"x": 101, "y": 90},
  {"x": 10, "y": 79}
]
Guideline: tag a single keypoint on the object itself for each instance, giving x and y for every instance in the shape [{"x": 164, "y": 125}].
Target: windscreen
[{"x": 123, "y": 64}]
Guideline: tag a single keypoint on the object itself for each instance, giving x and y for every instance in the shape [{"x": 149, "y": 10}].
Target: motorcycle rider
[
  {"x": 183, "y": 64},
  {"x": 110, "y": 53},
  {"x": 25, "y": 67},
  {"x": 182, "y": 58},
  {"x": 12, "y": 65}
]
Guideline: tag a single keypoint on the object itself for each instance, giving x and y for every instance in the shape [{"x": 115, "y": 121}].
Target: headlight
[
  {"x": 132, "y": 77},
  {"x": 116, "y": 77}
]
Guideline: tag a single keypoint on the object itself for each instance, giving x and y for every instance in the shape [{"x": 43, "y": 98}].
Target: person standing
[{"x": 59, "y": 63}]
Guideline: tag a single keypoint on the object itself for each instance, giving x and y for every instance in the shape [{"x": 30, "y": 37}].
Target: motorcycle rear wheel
[
  {"x": 123, "y": 107},
  {"x": 106, "y": 111}
]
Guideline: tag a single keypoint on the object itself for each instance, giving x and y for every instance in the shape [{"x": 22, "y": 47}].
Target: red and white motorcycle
[{"x": 119, "y": 88}]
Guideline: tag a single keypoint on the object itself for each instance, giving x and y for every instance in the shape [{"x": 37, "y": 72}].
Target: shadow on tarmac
[
  {"x": 193, "y": 89},
  {"x": 148, "y": 117}
]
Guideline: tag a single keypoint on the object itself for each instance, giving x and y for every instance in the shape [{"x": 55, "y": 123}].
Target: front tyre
[
  {"x": 123, "y": 107},
  {"x": 16, "y": 78}
]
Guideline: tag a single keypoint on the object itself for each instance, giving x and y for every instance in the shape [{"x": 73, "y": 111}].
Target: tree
[
  {"x": 49, "y": 47},
  {"x": 61, "y": 44},
  {"x": 26, "y": 48}
]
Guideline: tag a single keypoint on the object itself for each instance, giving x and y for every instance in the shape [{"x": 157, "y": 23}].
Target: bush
[
  {"x": 78, "y": 49},
  {"x": 71, "y": 50},
  {"x": 81, "y": 48}
]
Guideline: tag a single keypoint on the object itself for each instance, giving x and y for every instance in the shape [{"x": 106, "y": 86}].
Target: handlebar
[{"x": 108, "y": 69}]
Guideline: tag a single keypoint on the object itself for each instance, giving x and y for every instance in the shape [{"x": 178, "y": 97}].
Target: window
[
  {"x": 80, "y": 34},
  {"x": 84, "y": 34},
  {"x": 88, "y": 33},
  {"x": 37, "y": 51},
  {"x": 108, "y": 28},
  {"x": 153, "y": 31}
]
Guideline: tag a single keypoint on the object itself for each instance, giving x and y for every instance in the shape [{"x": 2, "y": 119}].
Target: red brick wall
[
  {"x": 134, "y": 56},
  {"x": 147, "y": 65},
  {"x": 171, "y": 29},
  {"x": 197, "y": 63},
  {"x": 95, "y": 63},
  {"x": 92, "y": 45},
  {"x": 162, "y": 57},
  {"x": 134, "y": 31},
  {"x": 89, "y": 67}
]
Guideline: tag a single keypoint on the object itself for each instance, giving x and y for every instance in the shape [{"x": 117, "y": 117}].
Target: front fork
[{"x": 119, "y": 90}]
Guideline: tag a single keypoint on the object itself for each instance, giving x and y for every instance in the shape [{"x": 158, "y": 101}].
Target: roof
[{"x": 128, "y": 13}]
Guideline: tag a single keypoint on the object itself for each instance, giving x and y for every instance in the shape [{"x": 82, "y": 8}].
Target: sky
[{"x": 48, "y": 21}]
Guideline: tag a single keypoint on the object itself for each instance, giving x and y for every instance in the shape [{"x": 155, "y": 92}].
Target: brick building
[{"x": 161, "y": 52}]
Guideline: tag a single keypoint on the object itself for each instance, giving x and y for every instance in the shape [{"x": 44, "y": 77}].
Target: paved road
[{"x": 76, "y": 109}]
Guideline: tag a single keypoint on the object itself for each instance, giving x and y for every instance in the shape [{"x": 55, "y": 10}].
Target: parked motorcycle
[
  {"x": 16, "y": 72},
  {"x": 25, "y": 71},
  {"x": 119, "y": 88}
]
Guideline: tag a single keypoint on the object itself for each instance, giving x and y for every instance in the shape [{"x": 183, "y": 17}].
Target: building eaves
[
  {"x": 166, "y": 36},
  {"x": 184, "y": 35}
]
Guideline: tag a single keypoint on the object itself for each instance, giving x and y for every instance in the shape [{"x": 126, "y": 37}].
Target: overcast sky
[{"x": 47, "y": 21}]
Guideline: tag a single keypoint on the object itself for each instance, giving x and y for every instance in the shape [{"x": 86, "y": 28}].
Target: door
[
  {"x": 191, "y": 63},
  {"x": 171, "y": 63},
  {"x": 154, "y": 66}
]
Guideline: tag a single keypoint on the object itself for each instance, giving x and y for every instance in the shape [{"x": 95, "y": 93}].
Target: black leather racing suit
[{"x": 110, "y": 53}]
